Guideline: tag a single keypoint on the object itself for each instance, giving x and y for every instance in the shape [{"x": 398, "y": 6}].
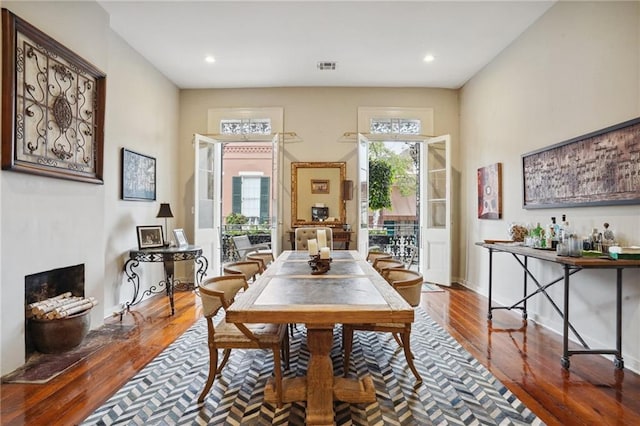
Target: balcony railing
[{"x": 400, "y": 240}]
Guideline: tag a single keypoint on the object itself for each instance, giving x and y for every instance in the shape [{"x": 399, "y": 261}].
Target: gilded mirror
[{"x": 316, "y": 193}]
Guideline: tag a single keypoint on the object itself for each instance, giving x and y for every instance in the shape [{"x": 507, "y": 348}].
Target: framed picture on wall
[
  {"x": 490, "y": 191},
  {"x": 138, "y": 176},
  {"x": 319, "y": 186}
]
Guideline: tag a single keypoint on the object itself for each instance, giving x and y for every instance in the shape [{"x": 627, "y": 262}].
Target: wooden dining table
[{"x": 351, "y": 292}]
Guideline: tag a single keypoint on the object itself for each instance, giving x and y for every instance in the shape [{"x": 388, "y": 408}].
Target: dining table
[{"x": 350, "y": 292}]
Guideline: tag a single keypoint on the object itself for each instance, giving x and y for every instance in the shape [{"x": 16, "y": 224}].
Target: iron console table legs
[
  {"x": 168, "y": 256},
  {"x": 568, "y": 270}
]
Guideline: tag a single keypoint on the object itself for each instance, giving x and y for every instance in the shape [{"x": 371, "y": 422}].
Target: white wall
[
  {"x": 50, "y": 223},
  {"x": 574, "y": 71},
  {"x": 320, "y": 116}
]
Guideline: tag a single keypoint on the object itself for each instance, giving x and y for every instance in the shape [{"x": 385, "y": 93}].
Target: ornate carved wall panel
[{"x": 52, "y": 107}]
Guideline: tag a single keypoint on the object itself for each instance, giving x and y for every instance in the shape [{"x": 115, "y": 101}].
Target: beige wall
[
  {"x": 49, "y": 223},
  {"x": 574, "y": 71},
  {"x": 319, "y": 115}
]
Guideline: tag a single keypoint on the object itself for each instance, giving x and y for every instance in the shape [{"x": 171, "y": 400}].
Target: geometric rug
[{"x": 456, "y": 388}]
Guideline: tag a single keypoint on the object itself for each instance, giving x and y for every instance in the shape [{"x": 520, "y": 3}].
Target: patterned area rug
[{"x": 457, "y": 390}]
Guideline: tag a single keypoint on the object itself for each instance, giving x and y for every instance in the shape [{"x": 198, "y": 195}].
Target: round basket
[{"x": 61, "y": 334}]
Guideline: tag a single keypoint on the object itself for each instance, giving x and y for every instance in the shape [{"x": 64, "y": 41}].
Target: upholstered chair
[
  {"x": 373, "y": 255},
  {"x": 264, "y": 257},
  {"x": 302, "y": 235},
  {"x": 248, "y": 268},
  {"x": 409, "y": 284},
  {"x": 383, "y": 263},
  {"x": 219, "y": 292}
]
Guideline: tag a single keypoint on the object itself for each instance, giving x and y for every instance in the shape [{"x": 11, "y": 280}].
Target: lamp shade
[{"x": 165, "y": 210}]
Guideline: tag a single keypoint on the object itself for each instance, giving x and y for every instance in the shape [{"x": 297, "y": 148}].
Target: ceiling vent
[{"x": 326, "y": 65}]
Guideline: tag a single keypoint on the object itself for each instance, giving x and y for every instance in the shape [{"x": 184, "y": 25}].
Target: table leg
[
  {"x": 168, "y": 276},
  {"x": 320, "y": 388},
  {"x": 618, "y": 361},
  {"x": 565, "y": 322},
  {"x": 320, "y": 375},
  {"x": 489, "y": 313}
]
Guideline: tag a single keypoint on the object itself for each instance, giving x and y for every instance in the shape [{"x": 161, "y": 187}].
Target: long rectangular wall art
[{"x": 600, "y": 168}]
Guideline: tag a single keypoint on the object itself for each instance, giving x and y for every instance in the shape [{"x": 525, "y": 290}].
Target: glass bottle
[{"x": 552, "y": 237}]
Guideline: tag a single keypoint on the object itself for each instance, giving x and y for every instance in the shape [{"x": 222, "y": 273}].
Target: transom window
[
  {"x": 403, "y": 126},
  {"x": 245, "y": 126}
]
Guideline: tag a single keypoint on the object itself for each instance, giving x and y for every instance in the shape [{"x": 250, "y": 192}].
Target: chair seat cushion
[{"x": 266, "y": 333}]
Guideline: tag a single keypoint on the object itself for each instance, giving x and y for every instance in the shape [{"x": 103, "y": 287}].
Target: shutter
[
  {"x": 236, "y": 195},
  {"x": 265, "y": 195}
]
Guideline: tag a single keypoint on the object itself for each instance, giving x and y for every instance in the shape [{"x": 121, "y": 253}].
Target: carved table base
[{"x": 320, "y": 388}]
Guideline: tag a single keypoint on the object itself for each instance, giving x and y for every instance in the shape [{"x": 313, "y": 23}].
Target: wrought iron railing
[{"x": 400, "y": 240}]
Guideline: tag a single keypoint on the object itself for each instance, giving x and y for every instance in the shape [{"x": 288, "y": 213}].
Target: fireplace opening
[{"x": 48, "y": 284}]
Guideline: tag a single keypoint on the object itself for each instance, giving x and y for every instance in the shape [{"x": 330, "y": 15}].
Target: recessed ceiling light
[
  {"x": 209, "y": 59},
  {"x": 429, "y": 58}
]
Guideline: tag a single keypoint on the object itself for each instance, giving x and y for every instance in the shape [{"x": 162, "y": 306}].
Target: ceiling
[{"x": 279, "y": 44}]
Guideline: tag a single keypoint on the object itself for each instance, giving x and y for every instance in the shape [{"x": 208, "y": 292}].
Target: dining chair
[
  {"x": 302, "y": 235},
  {"x": 219, "y": 292},
  {"x": 248, "y": 268},
  {"x": 383, "y": 263},
  {"x": 409, "y": 285},
  {"x": 243, "y": 246},
  {"x": 264, "y": 257},
  {"x": 373, "y": 255}
]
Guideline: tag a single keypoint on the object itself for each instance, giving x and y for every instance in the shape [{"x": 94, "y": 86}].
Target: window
[
  {"x": 251, "y": 197},
  {"x": 245, "y": 126},
  {"x": 403, "y": 126}
]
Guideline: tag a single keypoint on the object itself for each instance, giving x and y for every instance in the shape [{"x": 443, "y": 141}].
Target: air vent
[{"x": 326, "y": 65}]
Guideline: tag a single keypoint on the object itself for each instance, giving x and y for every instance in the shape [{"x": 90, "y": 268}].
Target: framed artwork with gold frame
[{"x": 53, "y": 104}]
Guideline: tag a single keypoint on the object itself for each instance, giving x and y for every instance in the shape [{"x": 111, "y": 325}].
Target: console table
[
  {"x": 338, "y": 235},
  {"x": 570, "y": 265},
  {"x": 168, "y": 256}
]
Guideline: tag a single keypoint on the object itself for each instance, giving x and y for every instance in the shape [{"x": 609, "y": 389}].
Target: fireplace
[{"x": 44, "y": 285}]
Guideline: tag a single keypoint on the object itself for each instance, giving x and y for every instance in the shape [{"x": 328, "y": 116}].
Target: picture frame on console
[
  {"x": 181, "y": 238},
  {"x": 149, "y": 236}
]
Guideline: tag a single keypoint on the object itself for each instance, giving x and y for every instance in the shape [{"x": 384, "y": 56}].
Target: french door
[
  {"x": 363, "y": 195},
  {"x": 435, "y": 210},
  {"x": 207, "y": 211}
]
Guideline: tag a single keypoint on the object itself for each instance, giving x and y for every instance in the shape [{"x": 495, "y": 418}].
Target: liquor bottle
[
  {"x": 565, "y": 231},
  {"x": 552, "y": 237}
]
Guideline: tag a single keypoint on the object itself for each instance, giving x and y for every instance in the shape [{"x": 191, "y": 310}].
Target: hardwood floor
[{"x": 526, "y": 358}]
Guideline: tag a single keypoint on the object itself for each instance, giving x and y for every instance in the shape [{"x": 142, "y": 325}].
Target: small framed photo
[
  {"x": 150, "y": 236},
  {"x": 319, "y": 186},
  {"x": 181, "y": 238}
]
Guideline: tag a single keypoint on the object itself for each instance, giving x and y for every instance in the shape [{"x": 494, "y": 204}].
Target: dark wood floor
[{"x": 525, "y": 358}]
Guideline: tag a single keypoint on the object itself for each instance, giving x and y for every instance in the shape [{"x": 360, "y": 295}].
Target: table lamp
[{"x": 165, "y": 212}]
